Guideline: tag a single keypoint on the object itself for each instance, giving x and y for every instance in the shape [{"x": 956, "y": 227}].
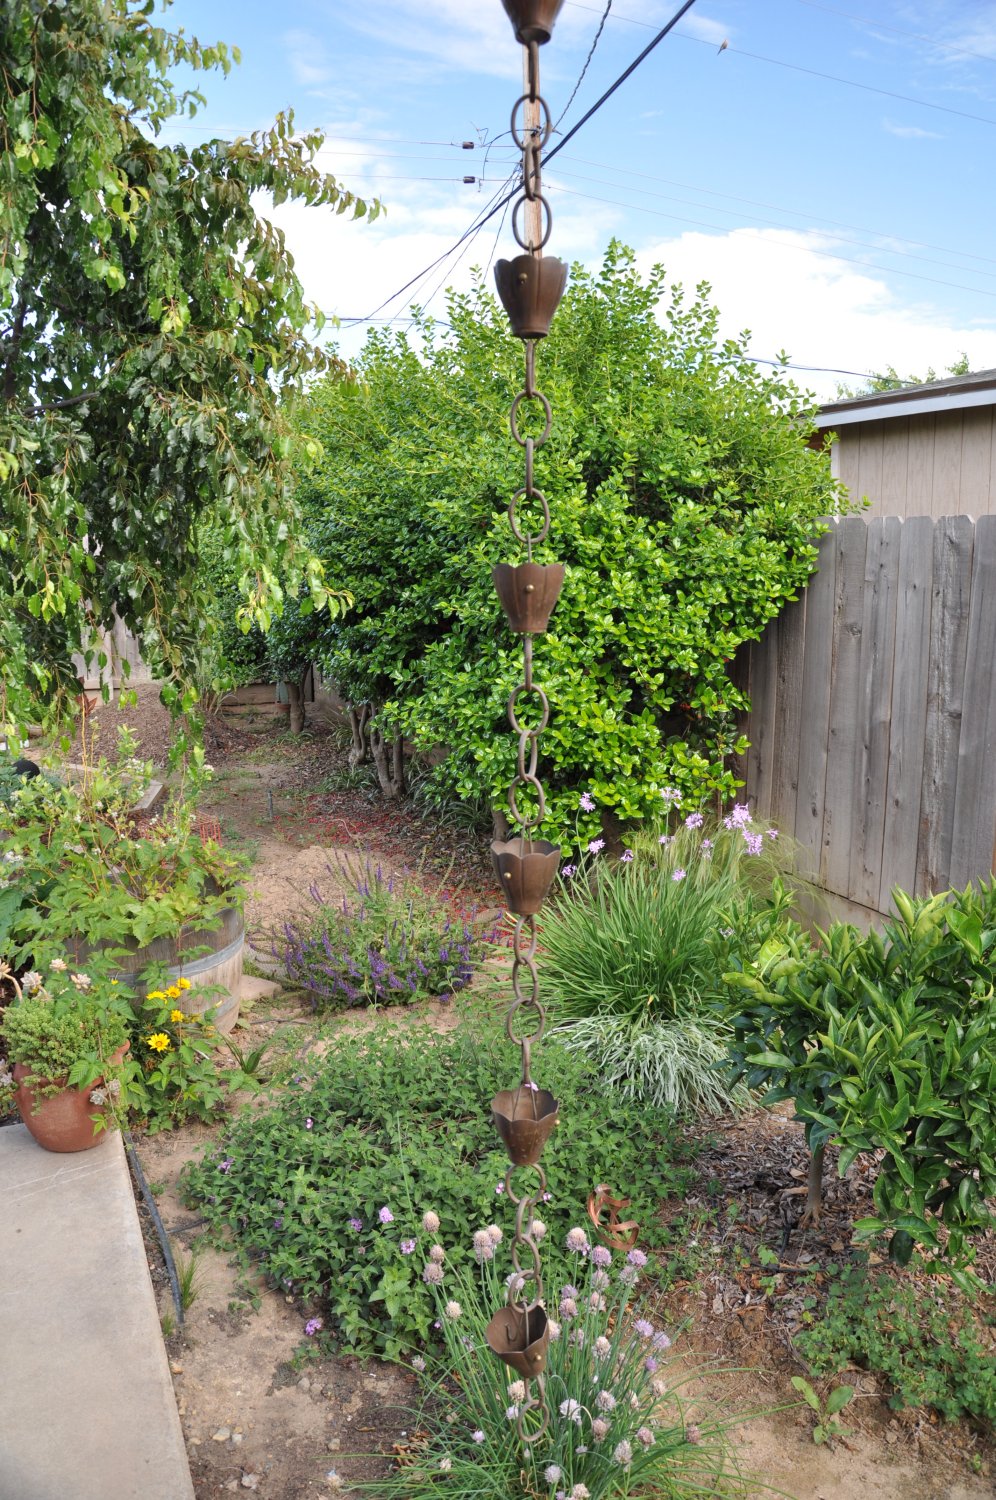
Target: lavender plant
[
  {"x": 620, "y": 1423},
  {"x": 387, "y": 941}
]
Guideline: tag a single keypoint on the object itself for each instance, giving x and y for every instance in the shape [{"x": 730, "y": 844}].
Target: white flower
[
  {"x": 551, "y": 1473},
  {"x": 602, "y": 1346},
  {"x": 605, "y": 1401},
  {"x": 596, "y": 1302},
  {"x": 445, "y": 1464},
  {"x": 494, "y": 1234},
  {"x": 659, "y": 1386},
  {"x": 571, "y": 1409},
  {"x": 645, "y": 1437},
  {"x": 58, "y": 964},
  {"x": 453, "y": 1311},
  {"x": 554, "y": 1328},
  {"x": 599, "y": 1428},
  {"x": 32, "y": 982},
  {"x": 430, "y": 1222},
  {"x": 81, "y": 981},
  {"x": 437, "y": 1254},
  {"x": 623, "y": 1453},
  {"x": 511, "y": 1412},
  {"x": 580, "y": 1491},
  {"x": 634, "y": 1402},
  {"x": 577, "y": 1241},
  {"x": 98, "y": 1097},
  {"x": 517, "y": 1390},
  {"x": 537, "y": 1229},
  {"x": 114, "y": 1088},
  {"x": 477, "y": 1437}
]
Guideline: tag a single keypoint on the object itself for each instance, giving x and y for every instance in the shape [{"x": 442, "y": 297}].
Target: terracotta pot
[{"x": 62, "y": 1122}]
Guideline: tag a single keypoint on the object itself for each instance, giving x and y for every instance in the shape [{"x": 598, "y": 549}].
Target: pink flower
[
  {"x": 313, "y": 1326},
  {"x": 385, "y": 1215},
  {"x": 309, "y": 1122},
  {"x": 626, "y": 857},
  {"x": 596, "y": 846},
  {"x": 679, "y": 874},
  {"x": 586, "y": 802}
]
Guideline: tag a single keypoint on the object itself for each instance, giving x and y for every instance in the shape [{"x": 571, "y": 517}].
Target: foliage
[
  {"x": 88, "y": 867},
  {"x": 633, "y": 953},
  {"x": 826, "y": 1427},
  {"x": 389, "y": 941},
  {"x": 890, "y": 379},
  {"x": 620, "y": 1423},
  {"x": 888, "y": 1044},
  {"x": 685, "y": 500},
  {"x": 151, "y": 324},
  {"x": 64, "y": 1027},
  {"x": 928, "y": 1342},
  {"x": 325, "y": 1189},
  {"x": 178, "y": 1077}
]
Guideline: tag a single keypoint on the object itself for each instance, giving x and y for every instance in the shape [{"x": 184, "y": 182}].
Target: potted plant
[{"x": 65, "y": 1038}]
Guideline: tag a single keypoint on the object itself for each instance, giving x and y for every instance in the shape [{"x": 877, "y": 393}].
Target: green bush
[
  {"x": 928, "y": 1343},
  {"x": 326, "y": 1188},
  {"x": 685, "y": 503},
  {"x": 888, "y": 1044}
]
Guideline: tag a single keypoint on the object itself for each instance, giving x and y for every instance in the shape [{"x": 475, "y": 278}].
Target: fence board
[
  {"x": 815, "y": 714},
  {"x": 790, "y": 634},
  {"x": 871, "y": 755},
  {"x": 975, "y": 794},
  {"x": 763, "y": 684},
  {"x": 845, "y": 700},
  {"x": 954, "y": 544},
  {"x": 909, "y": 709}
]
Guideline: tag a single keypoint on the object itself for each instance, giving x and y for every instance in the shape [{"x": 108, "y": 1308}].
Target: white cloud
[
  {"x": 910, "y": 132},
  {"x": 705, "y": 29},
  {"x": 309, "y": 62},
  {"x": 822, "y": 312}
]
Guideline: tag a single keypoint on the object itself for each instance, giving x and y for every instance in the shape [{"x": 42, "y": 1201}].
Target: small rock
[
  {"x": 222, "y": 1435},
  {"x": 250, "y": 1481},
  {"x": 290, "y": 1300},
  {"x": 236, "y": 1439},
  {"x": 304, "y": 1384},
  {"x": 334, "y": 1445},
  {"x": 892, "y": 1437},
  {"x": 232, "y": 1484},
  {"x": 175, "y": 1367}
]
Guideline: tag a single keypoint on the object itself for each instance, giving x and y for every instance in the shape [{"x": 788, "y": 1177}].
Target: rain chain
[{"x": 530, "y": 288}]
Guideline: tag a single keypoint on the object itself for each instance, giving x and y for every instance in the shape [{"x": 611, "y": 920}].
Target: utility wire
[
  {"x": 591, "y": 54},
  {"x": 479, "y": 222}
]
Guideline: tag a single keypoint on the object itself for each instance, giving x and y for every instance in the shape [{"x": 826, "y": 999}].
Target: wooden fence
[{"x": 873, "y": 721}]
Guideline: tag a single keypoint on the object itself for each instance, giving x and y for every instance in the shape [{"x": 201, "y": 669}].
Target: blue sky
[{"x": 829, "y": 171}]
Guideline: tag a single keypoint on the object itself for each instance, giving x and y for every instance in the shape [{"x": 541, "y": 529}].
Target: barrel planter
[{"x": 219, "y": 963}]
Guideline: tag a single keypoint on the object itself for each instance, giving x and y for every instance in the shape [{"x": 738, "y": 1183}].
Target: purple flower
[
  {"x": 601, "y": 1256},
  {"x": 694, "y": 820},
  {"x": 500, "y": 1188},
  {"x": 626, "y": 856},
  {"x": 227, "y": 1164},
  {"x": 569, "y": 872},
  {"x": 637, "y": 1258},
  {"x": 664, "y": 840},
  {"x": 670, "y": 796},
  {"x": 385, "y": 1215},
  {"x": 278, "y": 1223},
  {"x": 309, "y": 1122},
  {"x": 650, "y": 1364},
  {"x": 477, "y": 1437},
  {"x": 577, "y": 1241},
  {"x": 407, "y": 1247},
  {"x": 643, "y": 1328},
  {"x": 355, "y": 1224},
  {"x": 771, "y": 833},
  {"x": 313, "y": 1326},
  {"x": 679, "y": 874},
  {"x": 596, "y": 845},
  {"x": 587, "y": 802},
  {"x": 754, "y": 842}
]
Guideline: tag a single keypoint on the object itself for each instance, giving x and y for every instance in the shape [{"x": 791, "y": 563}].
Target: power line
[
  {"x": 861, "y": 265},
  {"x": 479, "y": 222},
  {"x": 779, "y": 62},
  {"x": 591, "y": 54}
]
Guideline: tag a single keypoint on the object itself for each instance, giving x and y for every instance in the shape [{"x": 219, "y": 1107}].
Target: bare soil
[{"x": 254, "y": 1421}]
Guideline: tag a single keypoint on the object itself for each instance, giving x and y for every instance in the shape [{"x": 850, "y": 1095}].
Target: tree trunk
[
  {"x": 295, "y": 694},
  {"x": 359, "y": 718},
  {"x": 389, "y": 759},
  {"x": 814, "y": 1191}
]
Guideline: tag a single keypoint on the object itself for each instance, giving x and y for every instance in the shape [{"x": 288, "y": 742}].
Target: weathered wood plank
[
  {"x": 845, "y": 700},
  {"x": 871, "y": 754},
  {"x": 954, "y": 544},
  {"x": 816, "y": 679},
  {"x": 976, "y": 461},
  {"x": 763, "y": 719},
  {"x": 975, "y": 794},
  {"x": 894, "y": 487},
  {"x": 909, "y": 708},
  {"x": 790, "y": 629},
  {"x": 920, "y": 467},
  {"x": 947, "y": 464}
]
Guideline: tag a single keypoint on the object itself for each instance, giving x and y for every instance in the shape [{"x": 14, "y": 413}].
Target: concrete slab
[
  {"x": 86, "y": 1401},
  {"x": 251, "y": 988}
]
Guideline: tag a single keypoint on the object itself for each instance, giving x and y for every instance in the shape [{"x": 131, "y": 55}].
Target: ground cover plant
[
  {"x": 935, "y": 1347},
  {"x": 686, "y": 500},
  {"x": 324, "y": 1190},
  {"x": 633, "y": 954},
  {"x": 391, "y": 939},
  {"x": 887, "y": 1043},
  {"x": 620, "y": 1422}
]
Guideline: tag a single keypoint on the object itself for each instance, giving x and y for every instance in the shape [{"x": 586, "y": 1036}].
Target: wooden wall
[
  {"x": 934, "y": 465},
  {"x": 873, "y": 721}
]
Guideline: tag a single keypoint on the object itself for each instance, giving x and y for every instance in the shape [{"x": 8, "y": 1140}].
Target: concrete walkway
[{"x": 86, "y": 1401}]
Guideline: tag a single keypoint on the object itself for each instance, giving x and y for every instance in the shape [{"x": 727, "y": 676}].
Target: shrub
[
  {"x": 927, "y": 1341},
  {"x": 888, "y": 1044},
  {"x": 178, "y": 1076},
  {"x": 619, "y": 1423},
  {"x": 634, "y": 952},
  {"x": 391, "y": 941},
  {"x": 325, "y": 1189}
]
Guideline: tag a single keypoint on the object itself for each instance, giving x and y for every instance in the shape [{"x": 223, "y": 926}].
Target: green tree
[
  {"x": 685, "y": 503},
  {"x": 890, "y": 379},
  {"x": 151, "y": 325}
]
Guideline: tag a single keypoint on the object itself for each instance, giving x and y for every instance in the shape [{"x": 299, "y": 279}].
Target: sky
[{"x": 826, "y": 165}]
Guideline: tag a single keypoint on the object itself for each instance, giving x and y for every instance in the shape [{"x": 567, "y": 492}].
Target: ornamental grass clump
[
  {"x": 619, "y": 1420},
  {"x": 387, "y": 941},
  {"x": 634, "y": 952}
]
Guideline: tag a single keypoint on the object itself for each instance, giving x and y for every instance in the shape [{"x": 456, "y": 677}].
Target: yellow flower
[
  {"x": 159, "y": 1042},
  {"x": 176, "y": 1016},
  {"x": 173, "y": 993},
  {"x": 184, "y": 984},
  {"x": 156, "y": 995}
]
